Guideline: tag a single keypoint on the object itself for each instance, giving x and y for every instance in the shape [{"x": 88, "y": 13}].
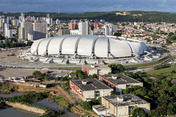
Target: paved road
[{"x": 151, "y": 67}]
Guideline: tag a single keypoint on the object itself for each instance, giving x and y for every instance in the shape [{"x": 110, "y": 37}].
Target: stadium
[{"x": 85, "y": 48}]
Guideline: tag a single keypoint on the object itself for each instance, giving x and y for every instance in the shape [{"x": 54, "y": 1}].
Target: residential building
[
  {"x": 90, "y": 88},
  {"x": 39, "y": 30},
  {"x": 119, "y": 81}
]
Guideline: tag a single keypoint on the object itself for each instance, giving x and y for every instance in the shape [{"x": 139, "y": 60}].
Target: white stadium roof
[{"x": 88, "y": 46}]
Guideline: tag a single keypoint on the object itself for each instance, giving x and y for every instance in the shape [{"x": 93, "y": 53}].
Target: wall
[
  {"x": 104, "y": 71},
  {"x": 122, "y": 111},
  {"x": 146, "y": 107},
  {"x": 76, "y": 88},
  {"x": 89, "y": 94},
  {"x": 105, "y": 92},
  {"x": 27, "y": 108},
  {"x": 107, "y": 82},
  {"x": 86, "y": 70}
]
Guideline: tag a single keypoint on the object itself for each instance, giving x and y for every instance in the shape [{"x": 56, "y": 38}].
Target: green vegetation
[
  {"x": 7, "y": 88},
  {"x": 87, "y": 114},
  {"x": 116, "y": 67},
  {"x": 146, "y": 16},
  {"x": 161, "y": 66},
  {"x": 52, "y": 113},
  {"x": 41, "y": 75},
  {"x": 88, "y": 104},
  {"x": 27, "y": 98},
  {"x": 160, "y": 93},
  {"x": 171, "y": 38},
  {"x": 138, "y": 112},
  {"x": 93, "y": 76},
  {"x": 162, "y": 72},
  {"x": 80, "y": 74},
  {"x": 12, "y": 42},
  {"x": 62, "y": 101},
  {"x": 147, "y": 64}
]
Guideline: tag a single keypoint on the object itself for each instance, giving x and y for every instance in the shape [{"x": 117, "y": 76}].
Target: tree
[
  {"x": 37, "y": 73},
  {"x": 86, "y": 105},
  {"x": 116, "y": 67},
  {"x": 80, "y": 74},
  {"x": 29, "y": 43},
  {"x": 170, "y": 34},
  {"x": 46, "y": 77},
  {"x": 138, "y": 112}
]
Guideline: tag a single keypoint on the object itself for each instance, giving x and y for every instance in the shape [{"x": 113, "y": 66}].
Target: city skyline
[{"x": 77, "y": 6}]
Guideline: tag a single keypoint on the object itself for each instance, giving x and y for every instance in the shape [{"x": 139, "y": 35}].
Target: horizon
[{"x": 86, "y": 12}]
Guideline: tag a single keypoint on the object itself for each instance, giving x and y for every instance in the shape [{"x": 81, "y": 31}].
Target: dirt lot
[{"x": 19, "y": 72}]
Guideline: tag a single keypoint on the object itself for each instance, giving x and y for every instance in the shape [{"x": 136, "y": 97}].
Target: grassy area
[
  {"x": 161, "y": 72},
  {"x": 147, "y": 64},
  {"x": 66, "y": 68},
  {"x": 62, "y": 101}
]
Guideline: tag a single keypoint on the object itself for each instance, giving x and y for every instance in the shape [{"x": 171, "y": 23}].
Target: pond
[
  {"x": 47, "y": 103},
  {"x": 11, "y": 112},
  {"x": 11, "y": 95}
]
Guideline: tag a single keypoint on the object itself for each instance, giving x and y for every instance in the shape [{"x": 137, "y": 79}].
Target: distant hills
[{"x": 115, "y": 16}]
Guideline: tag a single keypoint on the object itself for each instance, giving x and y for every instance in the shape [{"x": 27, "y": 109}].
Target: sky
[{"x": 78, "y": 6}]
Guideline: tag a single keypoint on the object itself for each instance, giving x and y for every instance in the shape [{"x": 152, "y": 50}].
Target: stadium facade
[{"x": 88, "y": 47}]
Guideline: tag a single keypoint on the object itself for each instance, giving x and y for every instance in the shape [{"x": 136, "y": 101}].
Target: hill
[{"x": 115, "y": 16}]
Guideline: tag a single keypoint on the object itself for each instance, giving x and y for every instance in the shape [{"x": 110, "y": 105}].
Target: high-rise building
[
  {"x": 6, "y": 31},
  {"x": 2, "y": 21},
  {"x": 73, "y": 25},
  {"x": 32, "y": 31},
  {"x": 49, "y": 20},
  {"x": 39, "y": 30},
  {"x": 25, "y": 28},
  {"x": 57, "y": 22},
  {"x": 84, "y": 28},
  {"x": 110, "y": 29}
]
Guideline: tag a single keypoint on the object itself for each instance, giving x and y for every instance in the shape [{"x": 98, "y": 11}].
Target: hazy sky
[{"x": 71, "y": 6}]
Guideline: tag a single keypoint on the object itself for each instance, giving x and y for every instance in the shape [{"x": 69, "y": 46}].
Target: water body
[
  {"x": 11, "y": 112},
  {"x": 54, "y": 106},
  {"x": 11, "y": 95}
]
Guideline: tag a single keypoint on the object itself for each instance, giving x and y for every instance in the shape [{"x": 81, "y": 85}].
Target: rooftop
[
  {"x": 120, "y": 79},
  {"x": 90, "y": 84},
  {"x": 125, "y": 100}
]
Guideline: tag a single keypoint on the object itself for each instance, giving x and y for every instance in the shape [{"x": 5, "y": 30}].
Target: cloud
[{"x": 85, "y": 5}]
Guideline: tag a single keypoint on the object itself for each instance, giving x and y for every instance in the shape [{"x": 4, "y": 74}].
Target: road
[{"x": 148, "y": 68}]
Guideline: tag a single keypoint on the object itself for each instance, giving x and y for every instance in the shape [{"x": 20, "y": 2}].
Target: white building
[
  {"x": 6, "y": 31},
  {"x": 86, "y": 46},
  {"x": 58, "y": 22},
  {"x": 84, "y": 29},
  {"x": 110, "y": 29},
  {"x": 120, "y": 105}
]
